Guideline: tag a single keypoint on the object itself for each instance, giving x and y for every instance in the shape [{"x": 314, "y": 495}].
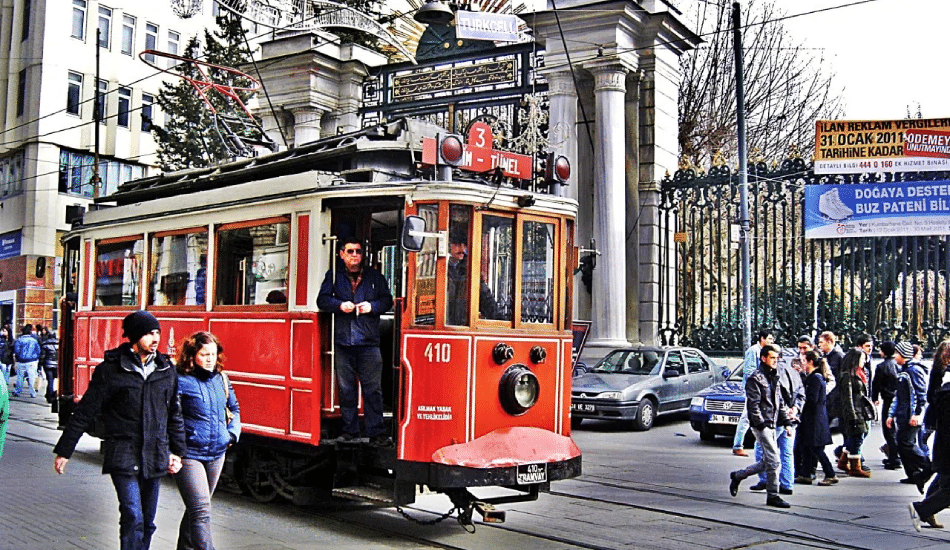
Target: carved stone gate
[{"x": 895, "y": 288}]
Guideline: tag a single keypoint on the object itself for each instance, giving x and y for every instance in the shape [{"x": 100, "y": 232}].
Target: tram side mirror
[{"x": 413, "y": 229}]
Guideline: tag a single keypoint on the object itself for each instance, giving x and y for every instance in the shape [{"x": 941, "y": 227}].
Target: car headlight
[
  {"x": 611, "y": 395},
  {"x": 697, "y": 402},
  {"x": 518, "y": 389}
]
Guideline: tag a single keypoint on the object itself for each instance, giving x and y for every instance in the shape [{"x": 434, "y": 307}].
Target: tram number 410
[{"x": 437, "y": 352}]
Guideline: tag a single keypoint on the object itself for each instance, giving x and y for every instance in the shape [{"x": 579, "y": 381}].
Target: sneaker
[
  {"x": 381, "y": 441},
  {"x": 913, "y": 516},
  {"x": 740, "y": 452},
  {"x": 777, "y": 502},
  {"x": 758, "y": 487},
  {"x": 733, "y": 484},
  {"x": 784, "y": 491},
  {"x": 348, "y": 437}
]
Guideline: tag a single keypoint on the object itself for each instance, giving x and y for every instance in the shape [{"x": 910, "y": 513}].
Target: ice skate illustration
[{"x": 831, "y": 206}]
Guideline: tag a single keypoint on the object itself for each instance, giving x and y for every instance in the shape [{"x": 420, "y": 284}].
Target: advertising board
[{"x": 860, "y": 146}]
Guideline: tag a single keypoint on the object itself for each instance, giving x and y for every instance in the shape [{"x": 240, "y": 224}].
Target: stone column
[
  {"x": 306, "y": 125},
  {"x": 633, "y": 204},
  {"x": 563, "y": 123},
  {"x": 609, "y": 281}
]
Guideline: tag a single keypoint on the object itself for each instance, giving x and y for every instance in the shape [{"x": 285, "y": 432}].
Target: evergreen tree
[{"x": 193, "y": 136}]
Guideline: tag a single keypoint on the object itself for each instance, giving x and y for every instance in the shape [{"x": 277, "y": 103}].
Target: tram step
[{"x": 366, "y": 494}]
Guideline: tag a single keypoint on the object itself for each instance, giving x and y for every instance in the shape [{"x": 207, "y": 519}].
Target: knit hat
[
  {"x": 137, "y": 324},
  {"x": 888, "y": 348},
  {"x": 905, "y": 349}
]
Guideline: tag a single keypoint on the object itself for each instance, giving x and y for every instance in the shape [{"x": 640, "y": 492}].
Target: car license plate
[
  {"x": 529, "y": 474},
  {"x": 723, "y": 419},
  {"x": 582, "y": 407}
]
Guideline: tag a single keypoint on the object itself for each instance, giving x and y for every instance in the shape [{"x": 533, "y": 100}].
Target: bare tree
[{"x": 787, "y": 86}]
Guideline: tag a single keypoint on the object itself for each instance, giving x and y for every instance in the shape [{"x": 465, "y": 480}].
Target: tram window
[
  {"x": 497, "y": 267},
  {"x": 118, "y": 272},
  {"x": 457, "y": 281},
  {"x": 425, "y": 270},
  {"x": 178, "y": 269},
  {"x": 251, "y": 266},
  {"x": 537, "y": 273}
]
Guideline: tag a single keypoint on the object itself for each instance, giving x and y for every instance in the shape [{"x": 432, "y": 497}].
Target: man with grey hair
[{"x": 763, "y": 396}]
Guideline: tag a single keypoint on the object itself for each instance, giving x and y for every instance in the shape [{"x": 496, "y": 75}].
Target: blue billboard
[
  {"x": 877, "y": 209},
  {"x": 10, "y": 245}
]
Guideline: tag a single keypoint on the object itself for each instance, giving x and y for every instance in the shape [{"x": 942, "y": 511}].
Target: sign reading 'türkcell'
[{"x": 476, "y": 25}]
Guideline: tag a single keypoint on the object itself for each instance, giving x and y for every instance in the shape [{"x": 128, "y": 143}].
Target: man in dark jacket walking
[
  {"x": 136, "y": 391},
  {"x": 49, "y": 362},
  {"x": 906, "y": 415},
  {"x": 357, "y": 295},
  {"x": 763, "y": 398},
  {"x": 883, "y": 389}
]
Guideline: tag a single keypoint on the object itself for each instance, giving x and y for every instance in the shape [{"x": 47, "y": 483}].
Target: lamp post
[{"x": 744, "y": 221}]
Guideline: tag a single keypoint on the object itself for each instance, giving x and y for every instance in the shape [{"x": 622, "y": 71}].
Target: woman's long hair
[
  {"x": 189, "y": 349},
  {"x": 819, "y": 362}
]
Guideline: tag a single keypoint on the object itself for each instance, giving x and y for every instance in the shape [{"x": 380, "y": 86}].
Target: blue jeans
[
  {"x": 27, "y": 369},
  {"x": 138, "y": 502},
  {"x": 360, "y": 366},
  {"x": 741, "y": 428},
  {"x": 769, "y": 463},
  {"x": 785, "y": 441},
  {"x": 853, "y": 445},
  {"x": 5, "y": 368},
  {"x": 196, "y": 482}
]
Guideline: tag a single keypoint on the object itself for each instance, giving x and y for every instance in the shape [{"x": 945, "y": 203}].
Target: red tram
[{"x": 474, "y": 396}]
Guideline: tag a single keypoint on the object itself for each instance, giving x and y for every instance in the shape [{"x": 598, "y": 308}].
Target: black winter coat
[
  {"x": 814, "y": 430},
  {"x": 49, "y": 350},
  {"x": 142, "y": 417},
  {"x": 762, "y": 393},
  {"x": 941, "y": 416}
]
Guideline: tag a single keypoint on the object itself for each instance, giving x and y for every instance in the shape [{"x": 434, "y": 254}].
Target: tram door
[{"x": 377, "y": 223}]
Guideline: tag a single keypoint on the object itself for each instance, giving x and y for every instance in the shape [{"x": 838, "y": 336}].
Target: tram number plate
[
  {"x": 723, "y": 419},
  {"x": 529, "y": 474},
  {"x": 583, "y": 407}
]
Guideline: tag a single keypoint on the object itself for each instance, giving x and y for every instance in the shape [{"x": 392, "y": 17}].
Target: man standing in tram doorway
[{"x": 357, "y": 295}]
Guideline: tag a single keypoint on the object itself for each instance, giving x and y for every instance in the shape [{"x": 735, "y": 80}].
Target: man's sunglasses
[{"x": 353, "y": 251}]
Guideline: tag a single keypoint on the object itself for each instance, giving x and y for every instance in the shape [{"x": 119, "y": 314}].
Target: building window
[
  {"x": 76, "y": 174},
  {"x": 74, "y": 93},
  {"x": 103, "y": 87},
  {"x": 105, "y": 27},
  {"x": 151, "y": 40},
  {"x": 11, "y": 175},
  {"x": 21, "y": 93},
  {"x": 79, "y": 19},
  {"x": 173, "y": 39},
  {"x": 128, "y": 34},
  {"x": 27, "y": 15},
  {"x": 146, "y": 112},
  {"x": 125, "y": 101}
]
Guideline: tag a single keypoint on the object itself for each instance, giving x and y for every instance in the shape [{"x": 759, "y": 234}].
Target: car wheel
[
  {"x": 646, "y": 414},
  {"x": 706, "y": 435},
  {"x": 576, "y": 422}
]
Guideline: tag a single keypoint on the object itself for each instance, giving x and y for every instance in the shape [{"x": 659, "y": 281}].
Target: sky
[{"x": 886, "y": 54}]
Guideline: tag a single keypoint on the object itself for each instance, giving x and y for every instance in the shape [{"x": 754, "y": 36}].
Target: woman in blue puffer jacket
[{"x": 212, "y": 424}]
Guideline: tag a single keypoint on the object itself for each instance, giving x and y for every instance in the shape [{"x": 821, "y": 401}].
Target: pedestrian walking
[
  {"x": 883, "y": 389},
  {"x": 938, "y": 498},
  {"x": 750, "y": 363},
  {"x": 6, "y": 353},
  {"x": 212, "y": 424},
  {"x": 49, "y": 362},
  {"x": 814, "y": 431},
  {"x": 4, "y": 413},
  {"x": 791, "y": 401},
  {"x": 134, "y": 392},
  {"x": 26, "y": 352},
  {"x": 906, "y": 415},
  {"x": 762, "y": 398},
  {"x": 857, "y": 411}
]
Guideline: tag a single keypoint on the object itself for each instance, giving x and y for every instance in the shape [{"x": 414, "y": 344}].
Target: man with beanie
[
  {"x": 135, "y": 389},
  {"x": 906, "y": 415},
  {"x": 883, "y": 389}
]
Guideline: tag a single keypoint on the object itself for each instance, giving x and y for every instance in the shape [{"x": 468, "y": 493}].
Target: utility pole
[
  {"x": 744, "y": 222},
  {"x": 98, "y": 118}
]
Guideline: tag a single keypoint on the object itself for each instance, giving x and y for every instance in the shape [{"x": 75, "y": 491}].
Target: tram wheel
[{"x": 253, "y": 478}]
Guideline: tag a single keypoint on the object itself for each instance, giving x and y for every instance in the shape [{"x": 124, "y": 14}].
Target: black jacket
[
  {"x": 884, "y": 385},
  {"x": 142, "y": 417},
  {"x": 49, "y": 350},
  {"x": 762, "y": 393},
  {"x": 352, "y": 329},
  {"x": 814, "y": 431}
]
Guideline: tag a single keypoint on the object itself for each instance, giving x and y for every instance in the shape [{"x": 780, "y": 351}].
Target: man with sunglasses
[{"x": 357, "y": 295}]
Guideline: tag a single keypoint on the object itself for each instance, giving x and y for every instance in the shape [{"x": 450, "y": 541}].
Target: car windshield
[
  {"x": 736, "y": 375},
  {"x": 630, "y": 362}
]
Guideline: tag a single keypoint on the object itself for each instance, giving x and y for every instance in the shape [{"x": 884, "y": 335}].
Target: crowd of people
[
  {"x": 31, "y": 357},
  {"x": 792, "y": 406}
]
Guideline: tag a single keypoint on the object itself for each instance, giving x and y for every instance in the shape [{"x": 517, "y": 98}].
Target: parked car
[
  {"x": 716, "y": 410},
  {"x": 636, "y": 384}
]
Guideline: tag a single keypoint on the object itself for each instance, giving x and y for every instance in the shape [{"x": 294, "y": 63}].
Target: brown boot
[
  {"x": 854, "y": 468},
  {"x": 843, "y": 460}
]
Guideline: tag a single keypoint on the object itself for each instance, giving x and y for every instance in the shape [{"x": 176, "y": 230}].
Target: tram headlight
[{"x": 518, "y": 390}]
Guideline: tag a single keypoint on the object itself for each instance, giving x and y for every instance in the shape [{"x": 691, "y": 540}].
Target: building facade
[{"x": 49, "y": 134}]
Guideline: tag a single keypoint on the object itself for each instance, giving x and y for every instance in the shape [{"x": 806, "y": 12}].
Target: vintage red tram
[{"x": 477, "y": 365}]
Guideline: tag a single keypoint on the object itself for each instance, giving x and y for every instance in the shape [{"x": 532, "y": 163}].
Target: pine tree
[{"x": 191, "y": 136}]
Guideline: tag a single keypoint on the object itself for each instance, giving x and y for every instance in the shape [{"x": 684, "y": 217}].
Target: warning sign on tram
[{"x": 858, "y": 146}]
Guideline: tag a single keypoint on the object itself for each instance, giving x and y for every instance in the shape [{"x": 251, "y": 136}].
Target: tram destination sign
[
  {"x": 479, "y": 155},
  {"x": 877, "y": 209},
  {"x": 421, "y": 84},
  {"x": 861, "y": 146}
]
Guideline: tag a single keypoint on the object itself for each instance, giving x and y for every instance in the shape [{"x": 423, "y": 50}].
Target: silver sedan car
[{"x": 636, "y": 384}]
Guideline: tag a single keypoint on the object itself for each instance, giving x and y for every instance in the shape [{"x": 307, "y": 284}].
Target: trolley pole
[{"x": 744, "y": 222}]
